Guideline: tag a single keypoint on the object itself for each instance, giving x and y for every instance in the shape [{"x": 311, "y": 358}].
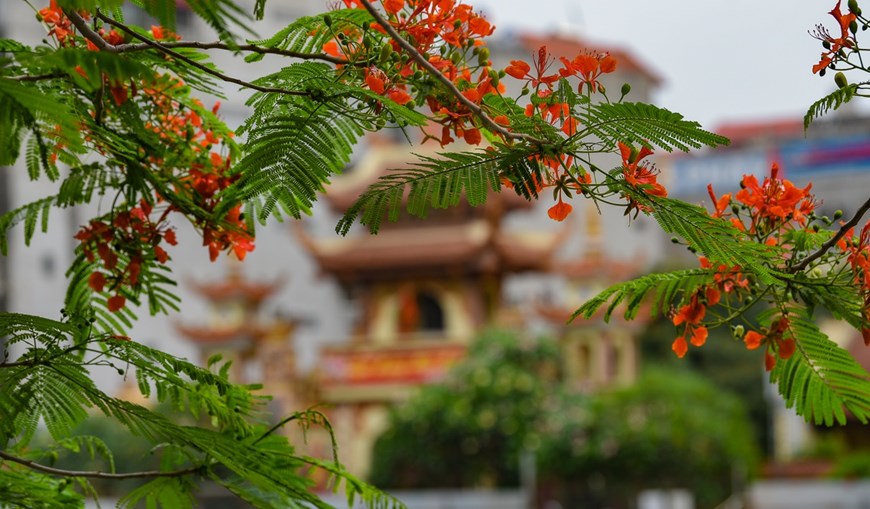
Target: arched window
[{"x": 431, "y": 317}]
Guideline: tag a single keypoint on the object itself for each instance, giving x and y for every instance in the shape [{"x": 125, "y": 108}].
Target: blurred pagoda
[
  {"x": 423, "y": 287},
  {"x": 261, "y": 350}
]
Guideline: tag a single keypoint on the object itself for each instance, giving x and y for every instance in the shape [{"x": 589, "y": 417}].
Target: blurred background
[{"x": 440, "y": 349}]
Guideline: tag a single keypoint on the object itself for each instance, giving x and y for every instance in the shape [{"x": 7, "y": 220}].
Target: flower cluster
[
  {"x": 835, "y": 46},
  {"x": 443, "y": 31},
  {"x": 766, "y": 212},
  {"x": 857, "y": 250},
  {"x": 124, "y": 243},
  {"x": 778, "y": 338},
  {"x": 640, "y": 175}
]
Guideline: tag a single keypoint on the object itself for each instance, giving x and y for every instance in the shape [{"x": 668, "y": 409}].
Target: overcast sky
[{"x": 721, "y": 61}]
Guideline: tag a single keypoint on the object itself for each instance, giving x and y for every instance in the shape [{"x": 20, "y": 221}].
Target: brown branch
[
  {"x": 97, "y": 475},
  {"x": 423, "y": 62},
  {"x": 103, "y": 45},
  {"x": 833, "y": 240}
]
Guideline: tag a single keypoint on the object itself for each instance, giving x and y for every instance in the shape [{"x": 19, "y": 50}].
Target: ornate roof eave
[
  {"x": 468, "y": 245},
  {"x": 226, "y": 336},
  {"x": 234, "y": 286}
]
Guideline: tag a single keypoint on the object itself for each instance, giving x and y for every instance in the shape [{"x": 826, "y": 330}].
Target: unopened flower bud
[
  {"x": 853, "y": 7},
  {"x": 838, "y": 214},
  {"x": 626, "y": 88},
  {"x": 386, "y": 51},
  {"x": 327, "y": 20},
  {"x": 365, "y": 26},
  {"x": 853, "y": 27},
  {"x": 840, "y": 80},
  {"x": 601, "y": 87},
  {"x": 816, "y": 273},
  {"x": 675, "y": 240},
  {"x": 483, "y": 57},
  {"x": 738, "y": 331}
]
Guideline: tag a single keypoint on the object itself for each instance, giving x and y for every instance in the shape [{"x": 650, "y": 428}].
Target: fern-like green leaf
[
  {"x": 308, "y": 34},
  {"x": 647, "y": 125},
  {"x": 297, "y": 143},
  {"x": 432, "y": 182},
  {"x": 830, "y": 102},
  {"x": 821, "y": 380},
  {"x": 665, "y": 288},
  {"x": 716, "y": 238}
]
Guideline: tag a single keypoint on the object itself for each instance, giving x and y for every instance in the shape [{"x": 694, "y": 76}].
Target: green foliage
[
  {"x": 473, "y": 425},
  {"x": 231, "y": 444},
  {"x": 647, "y": 125},
  {"x": 672, "y": 429},
  {"x": 821, "y": 380},
  {"x": 715, "y": 238},
  {"x": 310, "y": 33},
  {"x": 297, "y": 142},
  {"x": 666, "y": 288},
  {"x": 433, "y": 182},
  {"x": 830, "y": 102}
]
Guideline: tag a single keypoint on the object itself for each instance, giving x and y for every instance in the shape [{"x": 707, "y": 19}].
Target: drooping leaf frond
[
  {"x": 298, "y": 142},
  {"x": 646, "y": 124},
  {"x": 433, "y": 182},
  {"x": 830, "y": 102},
  {"x": 665, "y": 289},
  {"x": 821, "y": 380},
  {"x": 715, "y": 238}
]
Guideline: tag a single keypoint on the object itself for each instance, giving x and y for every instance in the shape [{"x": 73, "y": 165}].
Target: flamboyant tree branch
[
  {"x": 104, "y": 45},
  {"x": 423, "y": 62},
  {"x": 97, "y": 475},
  {"x": 833, "y": 240}
]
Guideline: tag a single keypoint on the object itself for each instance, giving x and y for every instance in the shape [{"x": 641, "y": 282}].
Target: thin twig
[
  {"x": 37, "y": 77},
  {"x": 97, "y": 475},
  {"x": 103, "y": 45},
  {"x": 423, "y": 62},
  {"x": 833, "y": 240}
]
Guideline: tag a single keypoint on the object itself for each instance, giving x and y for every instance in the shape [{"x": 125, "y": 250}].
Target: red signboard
[{"x": 403, "y": 366}]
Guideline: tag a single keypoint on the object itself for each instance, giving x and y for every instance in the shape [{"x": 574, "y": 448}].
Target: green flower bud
[
  {"x": 840, "y": 80},
  {"x": 626, "y": 88},
  {"x": 327, "y": 20},
  {"x": 386, "y": 51},
  {"x": 738, "y": 331},
  {"x": 365, "y": 26},
  {"x": 816, "y": 273},
  {"x": 675, "y": 240},
  {"x": 483, "y": 57},
  {"x": 853, "y": 27},
  {"x": 853, "y": 7}
]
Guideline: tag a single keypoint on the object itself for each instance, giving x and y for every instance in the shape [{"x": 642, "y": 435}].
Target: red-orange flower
[
  {"x": 560, "y": 210},
  {"x": 393, "y": 6},
  {"x": 834, "y": 44},
  {"x": 116, "y": 303},
  {"x": 776, "y": 201},
  {"x": 779, "y": 344},
  {"x": 518, "y": 69}
]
